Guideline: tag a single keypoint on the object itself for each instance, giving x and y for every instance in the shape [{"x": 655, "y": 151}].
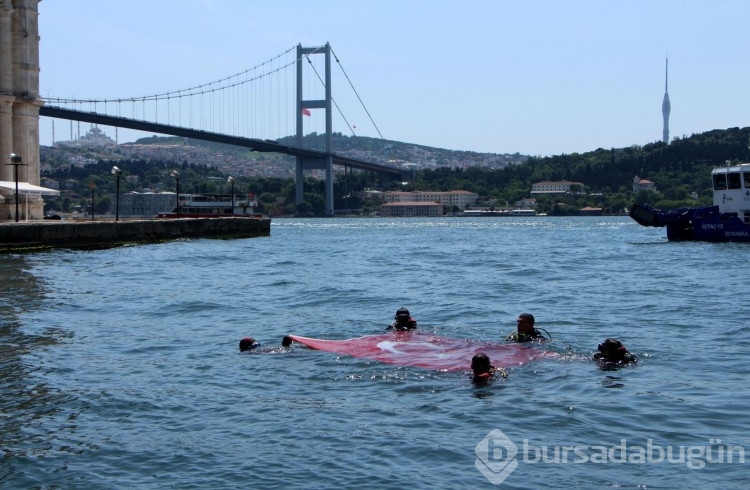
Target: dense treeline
[{"x": 681, "y": 171}]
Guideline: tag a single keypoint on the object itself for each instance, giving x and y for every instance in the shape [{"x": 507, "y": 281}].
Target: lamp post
[
  {"x": 15, "y": 160},
  {"x": 230, "y": 179},
  {"x": 117, "y": 172},
  {"x": 92, "y": 186},
  {"x": 176, "y": 175}
]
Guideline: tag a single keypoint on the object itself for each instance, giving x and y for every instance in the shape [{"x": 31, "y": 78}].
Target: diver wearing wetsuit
[
  {"x": 248, "y": 343},
  {"x": 404, "y": 321},
  {"x": 525, "y": 330},
  {"x": 613, "y": 354},
  {"x": 483, "y": 370}
]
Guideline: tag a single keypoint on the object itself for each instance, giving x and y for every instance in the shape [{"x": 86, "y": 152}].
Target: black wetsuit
[
  {"x": 535, "y": 336},
  {"x": 410, "y": 324},
  {"x": 617, "y": 360}
]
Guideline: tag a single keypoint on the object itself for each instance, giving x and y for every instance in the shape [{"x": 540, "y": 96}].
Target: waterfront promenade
[{"x": 27, "y": 236}]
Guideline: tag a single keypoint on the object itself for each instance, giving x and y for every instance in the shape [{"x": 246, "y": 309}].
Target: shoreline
[{"x": 39, "y": 235}]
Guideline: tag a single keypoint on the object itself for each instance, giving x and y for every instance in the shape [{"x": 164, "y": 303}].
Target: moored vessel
[
  {"x": 727, "y": 220},
  {"x": 213, "y": 206}
]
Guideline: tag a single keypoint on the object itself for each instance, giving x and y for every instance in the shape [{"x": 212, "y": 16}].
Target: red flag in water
[{"x": 306, "y": 112}]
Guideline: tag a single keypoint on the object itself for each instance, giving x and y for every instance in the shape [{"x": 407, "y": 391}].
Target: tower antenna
[{"x": 665, "y": 105}]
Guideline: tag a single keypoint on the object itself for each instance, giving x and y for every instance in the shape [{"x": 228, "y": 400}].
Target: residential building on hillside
[
  {"x": 526, "y": 203},
  {"x": 640, "y": 184},
  {"x": 553, "y": 187},
  {"x": 49, "y": 183}
]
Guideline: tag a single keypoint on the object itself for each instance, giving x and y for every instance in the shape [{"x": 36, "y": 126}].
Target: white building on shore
[
  {"x": 553, "y": 187},
  {"x": 461, "y": 199}
]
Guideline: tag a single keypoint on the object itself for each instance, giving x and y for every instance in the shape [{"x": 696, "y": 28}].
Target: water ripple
[{"x": 122, "y": 365}]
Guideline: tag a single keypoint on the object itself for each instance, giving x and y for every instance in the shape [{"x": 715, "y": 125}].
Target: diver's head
[
  {"x": 480, "y": 363},
  {"x": 612, "y": 348},
  {"x": 247, "y": 343},
  {"x": 402, "y": 315},
  {"x": 525, "y": 322}
]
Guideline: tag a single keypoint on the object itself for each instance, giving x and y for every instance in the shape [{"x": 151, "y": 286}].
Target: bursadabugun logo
[{"x": 496, "y": 456}]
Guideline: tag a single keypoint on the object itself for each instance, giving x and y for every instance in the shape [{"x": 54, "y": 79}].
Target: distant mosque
[{"x": 665, "y": 105}]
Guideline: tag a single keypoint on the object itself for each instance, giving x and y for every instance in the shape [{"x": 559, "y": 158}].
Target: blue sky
[{"x": 535, "y": 77}]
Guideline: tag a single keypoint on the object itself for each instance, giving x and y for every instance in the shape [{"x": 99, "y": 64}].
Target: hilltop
[{"x": 240, "y": 161}]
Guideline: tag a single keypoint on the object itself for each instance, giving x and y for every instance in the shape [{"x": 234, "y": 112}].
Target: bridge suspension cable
[
  {"x": 196, "y": 90},
  {"x": 357, "y": 94},
  {"x": 249, "y": 103},
  {"x": 333, "y": 99}
]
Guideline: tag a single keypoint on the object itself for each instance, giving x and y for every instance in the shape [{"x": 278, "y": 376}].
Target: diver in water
[
  {"x": 525, "y": 331},
  {"x": 613, "y": 354},
  {"x": 248, "y": 343},
  {"x": 404, "y": 321},
  {"x": 483, "y": 370},
  {"x": 251, "y": 346}
]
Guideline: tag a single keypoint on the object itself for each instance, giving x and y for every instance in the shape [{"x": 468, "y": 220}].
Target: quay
[{"x": 39, "y": 235}]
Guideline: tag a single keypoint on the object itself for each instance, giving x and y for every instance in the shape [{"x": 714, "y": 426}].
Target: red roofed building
[{"x": 640, "y": 184}]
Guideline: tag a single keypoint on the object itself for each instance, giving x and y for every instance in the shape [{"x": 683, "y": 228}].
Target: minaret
[{"x": 665, "y": 105}]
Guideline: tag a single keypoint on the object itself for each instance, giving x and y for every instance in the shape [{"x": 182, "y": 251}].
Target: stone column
[
  {"x": 6, "y": 89},
  {"x": 19, "y": 100},
  {"x": 26, "y": 87}
]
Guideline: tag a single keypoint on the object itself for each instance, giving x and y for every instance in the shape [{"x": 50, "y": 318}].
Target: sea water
[{"x": 121, "y": 369}]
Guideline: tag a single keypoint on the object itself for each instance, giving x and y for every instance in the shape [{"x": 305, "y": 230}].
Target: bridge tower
[
  {"x": 304, "y": 163},
  {"x": 19, "y": 99}
]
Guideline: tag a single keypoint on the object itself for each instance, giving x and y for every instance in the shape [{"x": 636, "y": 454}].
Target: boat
[
  {"x": 484, "y": 213},
  {"x": 504, "y": 212},
  {"x": 213, "y": 206},
  {"x": 727, "y": 220},
  {"x": 523, "y": 212}
]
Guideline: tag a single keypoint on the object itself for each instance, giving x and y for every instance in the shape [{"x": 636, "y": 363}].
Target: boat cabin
[
  {"x": 732, "y": 190},
  {"x": 213, "y": 206}
]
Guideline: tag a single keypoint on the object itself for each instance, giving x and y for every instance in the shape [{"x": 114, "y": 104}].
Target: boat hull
[
  {"x": 722, "y": 228},
  {"x": 707, "y": 224},
  {"x": 728, "y": 220}
]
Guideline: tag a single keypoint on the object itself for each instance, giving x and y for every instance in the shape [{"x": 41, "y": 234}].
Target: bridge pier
[{"x": 325, "y": 163}]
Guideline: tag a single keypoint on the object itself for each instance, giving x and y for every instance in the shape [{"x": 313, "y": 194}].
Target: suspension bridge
[{"x": 266, "y": 108}]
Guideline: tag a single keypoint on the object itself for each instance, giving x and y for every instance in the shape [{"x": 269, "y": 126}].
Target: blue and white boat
[
  {"x": 728, "y": 220},
  {"x": 213, "y": 206}
]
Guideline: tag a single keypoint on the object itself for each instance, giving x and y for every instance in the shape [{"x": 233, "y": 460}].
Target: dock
[{"x": 39, "y": 235}]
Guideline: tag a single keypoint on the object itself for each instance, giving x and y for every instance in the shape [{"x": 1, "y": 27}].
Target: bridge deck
[{"x": 254, "y": 144}]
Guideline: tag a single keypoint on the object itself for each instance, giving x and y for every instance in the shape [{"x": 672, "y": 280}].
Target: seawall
[{"x": 49, "y": 234}]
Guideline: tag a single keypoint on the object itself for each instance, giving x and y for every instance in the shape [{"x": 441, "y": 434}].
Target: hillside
[
  {"x": 243, "y": 162},
  {"x": 681, "y": 170}
]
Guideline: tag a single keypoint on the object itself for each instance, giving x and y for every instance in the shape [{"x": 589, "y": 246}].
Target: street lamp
[
  {"x": 230, "y": 179},
  {"x": 176, "y": 175},
  {"x": 15, "y": 160},
  {"x": 92, "y": 186},
  {"x": 117, "y": 172}
]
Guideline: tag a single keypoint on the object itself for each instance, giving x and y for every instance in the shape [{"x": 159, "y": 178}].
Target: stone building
[{"x": 19, "y": 107}]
